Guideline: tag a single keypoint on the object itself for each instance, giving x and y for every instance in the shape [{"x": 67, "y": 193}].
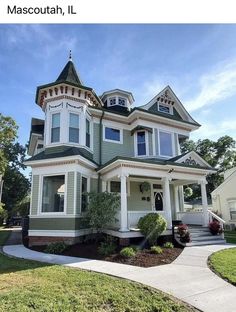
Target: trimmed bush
[
  {"x": 151, "y": 226},
  {"x": 56, "y": 248},
  {"x": 127, "y": 252},
  {"x": 168, "y": 245},
  {"x": 215, "y": 227},
  {"x": 184, "y": 233},
  {"x": 107, "y": 247},
  {"x": 156, "y": 250}
]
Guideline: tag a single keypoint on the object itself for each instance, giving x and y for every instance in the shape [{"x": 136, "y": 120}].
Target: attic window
[
  {"x": 164, "y": 109},
  {"x": 121, "y": 101},
  {"x": 112, "y": 101}
]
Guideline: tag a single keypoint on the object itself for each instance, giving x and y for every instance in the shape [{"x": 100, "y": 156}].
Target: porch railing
[{"x": 212, "y": 216}]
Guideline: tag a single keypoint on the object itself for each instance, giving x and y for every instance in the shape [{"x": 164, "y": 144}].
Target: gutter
[{"x": 100, "y": 150}]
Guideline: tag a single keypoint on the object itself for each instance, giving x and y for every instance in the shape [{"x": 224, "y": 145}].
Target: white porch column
[
  {"x": 167, "y": 203},
  {"x": 204, "y": 203},
  {"x": 176, "y": 197},
  {"x": 123, "y": 204}
]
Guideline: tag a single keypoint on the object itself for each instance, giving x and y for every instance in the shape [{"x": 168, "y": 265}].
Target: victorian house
[{"x": 104, "y": 143}]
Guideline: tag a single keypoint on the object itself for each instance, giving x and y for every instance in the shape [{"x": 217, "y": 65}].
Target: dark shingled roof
[
  {"x": 69, "y": 74},
  {"x": 62, "y": 151}
]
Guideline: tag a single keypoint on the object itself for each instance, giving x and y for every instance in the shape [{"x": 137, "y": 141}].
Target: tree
[
  {"x": 220, "y": 154},
  {"x": 102, "y": 208},
  {"x": 8, "y": 133}
]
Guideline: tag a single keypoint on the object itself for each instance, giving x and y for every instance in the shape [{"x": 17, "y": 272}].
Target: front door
[{"x": 158, "y": 200}]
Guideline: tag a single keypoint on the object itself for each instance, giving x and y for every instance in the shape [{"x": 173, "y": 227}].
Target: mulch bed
[{"x": 143, "y": 258}]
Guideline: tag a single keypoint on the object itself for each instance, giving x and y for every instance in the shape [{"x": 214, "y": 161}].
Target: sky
[{"x": 197, "y": 61}]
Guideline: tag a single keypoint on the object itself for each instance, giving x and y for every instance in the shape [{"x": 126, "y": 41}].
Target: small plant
[
  {"x": 107, "y": 247},
  {"x": 184, "y": 233},
  {"x": 151, "y": 226},
  {"x": 156, "y": 250},
  {"x": 56, "y": 248},
  {"x": 168, "y": 245},
  {"x": 215, "y": 227},
  {"x": 127, "y": 252}
]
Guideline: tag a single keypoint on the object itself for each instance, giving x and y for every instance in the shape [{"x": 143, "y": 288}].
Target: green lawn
[
  {"x": 224, "y": 263},
  {"x": 33, "y": 286},
  {"x": 230, "y": 237}
]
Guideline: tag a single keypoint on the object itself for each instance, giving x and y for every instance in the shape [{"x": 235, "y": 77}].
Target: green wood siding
[
  {"x": 96, "y": 134},
  {"x": 57, "y": 224},
  {"x": 35, "y": 194},
  {"x": 70, "y": 192},
  {"x": 135, "y": 202},
  {"x": 78, "y": 192},
  {"x": 93, "y": 185}
]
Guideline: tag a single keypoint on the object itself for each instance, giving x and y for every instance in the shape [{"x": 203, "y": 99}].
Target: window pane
[
  {"x": 87, "y": 126},
  {"x": 141, "y": 137},
  {"x": 164, "y": 109},
  {"x": 87, "y": 140},
  {"x": 55, "y": 135},
  {"x": 53, "y": 194},
  {"x": 141, "y": 149},
  {"x": 115, "y": 186},
  {"x": 74, "y": 120},
  {"x": 165, "y": 144},
  {"x": 112, "y": 101},
  {"x": 74, "y": 135},
  {"x": 121, "y": 101},
  {"x": 84, "y": 197},
  {"x": 56, "y": 120},
  {"x": 112, "y": 134}
]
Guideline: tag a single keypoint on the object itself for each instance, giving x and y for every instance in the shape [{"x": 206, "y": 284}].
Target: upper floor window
[
  {"x": 165, "y": 144},
  {"x": 164, "y": 109},
  {"x": 74, "y": 128},
  {"x": 111, "y": 134},
  {"x": 112, "y": 101},
  {"x": 55, "y": 129},
  {"x": 141, "y": 143},
  {"x": 87, "y": 133},
  {"x": 121, "y": 101}
]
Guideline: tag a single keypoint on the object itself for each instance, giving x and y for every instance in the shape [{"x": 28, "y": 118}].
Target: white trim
[
  {"x": 113, "y": 141},
  {"x": 59, "y": 233},
  {"x": 88, "y": 188},
  {"x": 69, "y": 216},
  {"x": 136, "y": 144},
  {"x": 195, "y": 157}
]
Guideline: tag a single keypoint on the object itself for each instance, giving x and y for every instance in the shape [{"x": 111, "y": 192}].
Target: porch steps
[{"x": 201, "y": 236}]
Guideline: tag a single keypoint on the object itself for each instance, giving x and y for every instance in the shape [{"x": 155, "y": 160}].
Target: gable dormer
[
  {"x": 168, "y": 105},
  {"x": 117, "y": 100}
]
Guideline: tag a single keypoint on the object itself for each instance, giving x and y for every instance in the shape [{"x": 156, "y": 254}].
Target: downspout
[{"x": 100, "y": 150}]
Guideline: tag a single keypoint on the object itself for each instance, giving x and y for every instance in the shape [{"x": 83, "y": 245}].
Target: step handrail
[{"x": 213, "y": 215}]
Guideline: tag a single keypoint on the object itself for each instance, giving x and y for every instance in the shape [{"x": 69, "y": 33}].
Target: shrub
[
  {"x": 184, "y": 233},
  {"x": 3, "y": 213},
  {"x": 168, "y": 245},
  {"x": 151, "y": 226},
  {"x": 215, "y": 227},
  {"x": 102, "y": 208},
  {"x": 127, "y": 252},
  {"x": 107, "y": 247},
  {"x": 56, "y": 248},
  {"x": 156, "y": 250}
]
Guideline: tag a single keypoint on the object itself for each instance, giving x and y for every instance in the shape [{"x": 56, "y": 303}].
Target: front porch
[{"x": 165, "y": 195}]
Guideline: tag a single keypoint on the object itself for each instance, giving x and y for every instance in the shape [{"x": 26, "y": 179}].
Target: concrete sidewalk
[{"x": 187, "y": 278}]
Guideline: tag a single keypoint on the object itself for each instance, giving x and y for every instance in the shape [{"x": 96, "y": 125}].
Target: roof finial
[{"x": 70, "y": 57}]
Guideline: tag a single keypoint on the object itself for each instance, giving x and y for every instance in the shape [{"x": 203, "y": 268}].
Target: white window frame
[
  {"x": 88, "y": 189},
  {"x": 113, "y": 141},
  {"x": 166, "y": 105},
  {"x": 172, "y": 143},
  {"x": 87, "y": 117},
  {"x": 40, "y": 199},
  {"x": 68, "y": 126},
  {"x": 50, "y": 127},
  {"x": 112, "y": 98},
  {"x": 136, "y": 143},
  {"x": 122, "y": 98},
  {"x": 228, "y": 204}
]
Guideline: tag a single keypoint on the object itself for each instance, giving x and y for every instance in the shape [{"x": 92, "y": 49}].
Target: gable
[
  {"x": 191, "y": 159},
  {"x": 168, "y": 99}
]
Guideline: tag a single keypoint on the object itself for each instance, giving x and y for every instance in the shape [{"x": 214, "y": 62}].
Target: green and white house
[{"x": 102, "y": 143}]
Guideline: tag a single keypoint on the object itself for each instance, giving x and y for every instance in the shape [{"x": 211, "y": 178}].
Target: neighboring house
[
  {"x": 224, "y": 197},
  {"x": 100, "y": 143}
]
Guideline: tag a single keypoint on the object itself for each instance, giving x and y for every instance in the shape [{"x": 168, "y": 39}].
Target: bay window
[
  {"x": 87, "y": 133},
  {"x": 141, "y": 143},
  {"x": 84, "y": 196},
  {"x": 165, "y": 144},
  {"x": 55, "y": 128},
  {"x": 53, "y": 193}
]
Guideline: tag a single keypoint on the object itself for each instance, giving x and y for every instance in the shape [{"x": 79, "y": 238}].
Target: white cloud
[{"x": 215, "y": 86}]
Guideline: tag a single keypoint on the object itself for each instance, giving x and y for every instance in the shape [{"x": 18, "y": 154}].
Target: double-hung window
[
  {"x": 87, "y": 133},
  {"x": 111, "y": 134},
  {"x": 74, "y": 128},
  {"x": 141, "y": 143},
  {"x": 53, "y": 193},
  {"x": 165, "y": 143},
  {"x": 84, "y": 196},
  {"x": 55, "y": 129}
]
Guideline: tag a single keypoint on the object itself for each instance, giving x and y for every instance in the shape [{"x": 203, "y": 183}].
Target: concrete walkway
[{"x": 187, "y": 278}]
